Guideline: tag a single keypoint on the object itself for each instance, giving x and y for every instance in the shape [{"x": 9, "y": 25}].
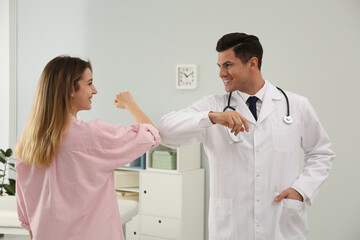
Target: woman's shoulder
[
  {"x": 89, "y": 126},
  {"x": 84, "y": 134}
]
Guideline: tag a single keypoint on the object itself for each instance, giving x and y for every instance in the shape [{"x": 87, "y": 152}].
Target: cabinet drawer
[
  {"x": 160, "y": 227},
  {"x": 143, "y": 237}
]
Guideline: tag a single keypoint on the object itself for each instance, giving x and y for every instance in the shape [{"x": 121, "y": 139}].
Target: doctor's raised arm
[
  {"x": 188, "y": 126},
  {"x": 252, "y": 135}
]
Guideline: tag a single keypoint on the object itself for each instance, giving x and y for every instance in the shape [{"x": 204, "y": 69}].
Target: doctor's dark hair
[
  {"x": 49, "y": 116},
  {"x": 245, "y": 46}
]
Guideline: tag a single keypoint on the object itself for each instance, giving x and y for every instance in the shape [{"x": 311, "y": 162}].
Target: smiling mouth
[{"x": 227, "y": 81}]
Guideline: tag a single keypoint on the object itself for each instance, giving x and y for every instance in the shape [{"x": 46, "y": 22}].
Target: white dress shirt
[{"x": 259, "y": 95}]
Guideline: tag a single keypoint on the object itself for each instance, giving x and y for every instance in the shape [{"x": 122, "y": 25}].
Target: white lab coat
[{"x": 245, "y": 177}]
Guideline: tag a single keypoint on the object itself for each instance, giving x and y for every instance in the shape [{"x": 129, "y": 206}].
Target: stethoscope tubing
[
  {"x": 287, "y": 101},
  {"x": 228, "y": 105},
  {"x": 287, "y": 119}
]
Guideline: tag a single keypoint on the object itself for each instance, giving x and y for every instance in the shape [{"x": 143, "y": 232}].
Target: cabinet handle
[
  {"x": 134, "y": 233},
  {"x": 159, "y": 221},
  {"x": 144, "y": 191}
]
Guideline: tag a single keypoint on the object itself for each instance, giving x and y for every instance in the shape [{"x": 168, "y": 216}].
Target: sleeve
[
  {"x": 187, "y": 126},
  {"x": 119, "y": 145},
  {"x": 21, "y": 208},
  {"x": 318, "y": 155}
]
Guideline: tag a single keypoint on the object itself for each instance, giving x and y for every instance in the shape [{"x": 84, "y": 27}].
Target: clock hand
[
  {"x": 190, "y": 74},
  {"x": 185, "y": 75}
]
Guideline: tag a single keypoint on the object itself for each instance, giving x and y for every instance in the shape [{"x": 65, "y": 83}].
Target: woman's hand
[{"x": 123, "y": 100}]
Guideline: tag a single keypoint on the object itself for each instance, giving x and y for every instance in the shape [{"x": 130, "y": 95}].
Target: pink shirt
[{"x": 74, "y": 198}]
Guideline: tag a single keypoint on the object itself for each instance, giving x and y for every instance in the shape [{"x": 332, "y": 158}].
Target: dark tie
[{"x": 252, "y": 105}]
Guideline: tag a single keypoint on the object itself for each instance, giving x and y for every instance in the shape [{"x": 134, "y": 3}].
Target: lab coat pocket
[
  {"x": 284, "y": 137},
  {"x": 221, "y": 221},
  {"x": 293, "y": 220}
]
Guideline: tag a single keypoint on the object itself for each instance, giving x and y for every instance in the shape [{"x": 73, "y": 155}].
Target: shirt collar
[{"x": 259, "y": 94}]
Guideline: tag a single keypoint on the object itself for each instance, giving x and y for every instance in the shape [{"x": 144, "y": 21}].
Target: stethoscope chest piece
[{"x": 288, "y": 119}]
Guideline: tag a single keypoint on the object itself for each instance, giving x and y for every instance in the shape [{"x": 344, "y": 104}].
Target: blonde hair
[{"x": 50, "y": 114}]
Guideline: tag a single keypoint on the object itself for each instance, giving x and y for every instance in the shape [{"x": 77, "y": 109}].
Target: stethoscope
[{"x": 287, "y": 119}]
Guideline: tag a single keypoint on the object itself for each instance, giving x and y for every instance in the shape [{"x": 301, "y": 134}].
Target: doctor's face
[
  {"x": 234, "y": 74},
  {"x": 81, "y": 99}
]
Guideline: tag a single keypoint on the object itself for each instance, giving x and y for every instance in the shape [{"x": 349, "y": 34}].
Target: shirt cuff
[
  {"x": 26, "y": 226},
  {"x": 305, "y": 198},
  {"x": 205, "y": 120}
]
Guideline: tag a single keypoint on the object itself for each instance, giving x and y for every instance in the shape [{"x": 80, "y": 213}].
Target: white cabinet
[
  {"x": 172, "y": 204},
  {"x": 187, "y": 158}
]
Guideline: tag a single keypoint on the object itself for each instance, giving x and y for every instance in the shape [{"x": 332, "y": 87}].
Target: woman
[{"x": 65, "y": 168}]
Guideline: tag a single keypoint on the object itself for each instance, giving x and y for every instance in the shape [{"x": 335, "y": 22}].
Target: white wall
[
  {"x": 46, "y": 29},
  {"x": 4, "y": 73},
  {"x": 310, "y": 47},
  {"x": 7, "y": 78}
]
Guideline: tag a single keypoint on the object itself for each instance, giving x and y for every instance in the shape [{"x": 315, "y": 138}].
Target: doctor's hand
[
  {"x": 123, "y": 100},
  {"x": 231, "y": 119},
  {"x": 289, "y": 193}
]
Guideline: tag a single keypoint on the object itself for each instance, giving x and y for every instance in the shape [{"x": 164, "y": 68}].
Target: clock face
[{"x": 186, "y": 76}]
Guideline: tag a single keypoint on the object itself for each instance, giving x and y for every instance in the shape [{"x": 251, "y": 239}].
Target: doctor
[{"x": 256, "y": 188}]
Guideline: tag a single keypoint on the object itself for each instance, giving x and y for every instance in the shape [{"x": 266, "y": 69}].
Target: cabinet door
[
  {"x": 132, "y": 229},
  {"x": 160, "y": 194}
]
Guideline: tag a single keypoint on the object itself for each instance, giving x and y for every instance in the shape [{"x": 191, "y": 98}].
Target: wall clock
[{"x": 186, "y": 76}]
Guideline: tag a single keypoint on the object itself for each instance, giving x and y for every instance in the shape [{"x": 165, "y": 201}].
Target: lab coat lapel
[
  {"x": 271, "y": 94},
  {"x": 243, "y": 109}
]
